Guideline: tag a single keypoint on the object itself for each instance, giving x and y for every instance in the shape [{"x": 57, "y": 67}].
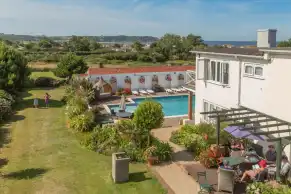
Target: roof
[
  {"x": 104, "y": 71},
  {"x": 234, "y": 50}
]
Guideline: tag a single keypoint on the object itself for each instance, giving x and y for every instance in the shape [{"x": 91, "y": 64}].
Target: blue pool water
[{"x": 172, "y": 105}]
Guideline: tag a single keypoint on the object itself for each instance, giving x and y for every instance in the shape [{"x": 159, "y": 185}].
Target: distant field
[{"x": 35, "y": 75}]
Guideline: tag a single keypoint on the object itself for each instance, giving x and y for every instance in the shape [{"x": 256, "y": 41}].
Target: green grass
[
  {"x": 37, "y": 74},
  {"x": 45, "y": 157}
]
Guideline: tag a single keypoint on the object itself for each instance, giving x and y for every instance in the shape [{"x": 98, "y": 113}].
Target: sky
[{"x": 235, "y": 20}]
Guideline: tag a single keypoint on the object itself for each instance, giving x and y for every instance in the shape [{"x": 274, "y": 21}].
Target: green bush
[
  {"x": 105, "y": 140},
  {"x": 192, "y": 137},
  {"x": 83, "y": 122},
  {"x": 5, "y": 95},
  {"x": 266, "y": 188},
  {"x": 163, "y": 151},
  {"x": 5, "y": 109},
  {"x": 47, "y": 82},
  {"x": 76, "y": 106}
]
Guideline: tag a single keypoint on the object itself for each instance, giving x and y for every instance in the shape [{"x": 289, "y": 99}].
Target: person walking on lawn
[{"x": 46, "y": 99}]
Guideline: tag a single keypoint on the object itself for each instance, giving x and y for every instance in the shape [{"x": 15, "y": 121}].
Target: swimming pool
[{"x": 172, "y": 105}]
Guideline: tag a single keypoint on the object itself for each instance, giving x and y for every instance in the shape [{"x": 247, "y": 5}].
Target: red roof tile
[{"x": 102, "y": 71}]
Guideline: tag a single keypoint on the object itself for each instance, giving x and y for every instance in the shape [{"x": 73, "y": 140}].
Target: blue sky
[{"x": 212, "y": 19}]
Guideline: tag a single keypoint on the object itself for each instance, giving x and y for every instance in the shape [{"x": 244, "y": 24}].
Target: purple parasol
[{"x": 237, "y": 132}]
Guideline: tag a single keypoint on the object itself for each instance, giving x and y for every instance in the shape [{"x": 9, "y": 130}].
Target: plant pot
[{"x": 151, "y": 160}]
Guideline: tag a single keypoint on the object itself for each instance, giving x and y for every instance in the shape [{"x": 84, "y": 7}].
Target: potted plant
[{"x": 150, "y": 155}]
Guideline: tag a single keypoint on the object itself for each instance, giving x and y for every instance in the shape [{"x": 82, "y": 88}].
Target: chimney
[{"x": 266, "y": 38}]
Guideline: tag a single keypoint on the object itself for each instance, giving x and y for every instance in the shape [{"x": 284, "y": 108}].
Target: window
[
  {"x": 259, "y": 71},
  {"x": 249, "y": 70},
  {"x": 225, "y": 73},
  {"x": 253, "y": 70},
  {"x": 216, "y": 71},
  {"x": 207, "y": 106}
]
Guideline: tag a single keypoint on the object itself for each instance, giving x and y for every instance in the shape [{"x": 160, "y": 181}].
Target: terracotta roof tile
[{"x": 103, "y": 71}]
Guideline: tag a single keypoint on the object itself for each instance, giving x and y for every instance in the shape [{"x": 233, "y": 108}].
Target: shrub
[
  {"x": 104, "y": 140},
  {"x": 76, "y": 106},
  {"x": 163, "y": 150},
  {"x": 5, "y": 109},
  {"x": 148, "y": 115},
  {"x": 47, "y": 82},
  {"x": 267, "y": 188},
  {"x": 5, "y": 95},
  {"x": 83, "y": 122}
]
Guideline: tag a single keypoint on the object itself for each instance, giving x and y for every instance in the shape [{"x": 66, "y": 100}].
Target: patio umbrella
[
  {"x": 238, "y": 133},
  {"x": 122, "y": 105}
]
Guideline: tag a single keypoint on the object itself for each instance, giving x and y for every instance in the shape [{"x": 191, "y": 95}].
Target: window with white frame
[
  {"x": 217, "y": 71},
  {"x": 253, "y": 70},
  {"x": 208, "y": 106}
]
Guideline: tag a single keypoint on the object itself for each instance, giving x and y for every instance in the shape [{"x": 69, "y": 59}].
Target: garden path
[{"x": 173, "y": 173}]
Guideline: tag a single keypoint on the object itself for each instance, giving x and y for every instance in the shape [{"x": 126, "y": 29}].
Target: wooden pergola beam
[
  {"x": 279, "y": 139},
  {"x": 222, "y": 111},
  {"x": 263, "y": 126},
  {"x": 272, "y": 132},
  {"x": 233, "y": 114},
  {"x": 241, "y": 118},
  {"x": 250, "y": 122}
]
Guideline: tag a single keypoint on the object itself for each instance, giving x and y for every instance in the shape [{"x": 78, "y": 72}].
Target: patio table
[
  {"x": 233, "y": 161},
  {"x": 123, "y": 114}
]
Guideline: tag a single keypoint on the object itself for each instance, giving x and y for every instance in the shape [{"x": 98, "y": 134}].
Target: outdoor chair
[
  {"x": 113, "y": 113},
  {"x": 226, "y": 180},
  {"x": 204, "y": 186}
]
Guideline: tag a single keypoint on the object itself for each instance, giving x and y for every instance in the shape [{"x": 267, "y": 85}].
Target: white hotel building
[{"x": 258, "y": 79}]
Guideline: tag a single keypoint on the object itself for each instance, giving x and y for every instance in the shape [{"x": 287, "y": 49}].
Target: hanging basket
[
  {"x": 168, "y": 77},
  {"x": 181, "y": 77},
  {"x": 113, "y": 80},
  {"x": 127, "y": 80},
  {"x": 142, "y": 80}
]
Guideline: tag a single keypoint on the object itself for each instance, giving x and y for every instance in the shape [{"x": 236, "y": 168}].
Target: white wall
[
  {"x": 135, "y": 84},
  {"x": 223, "y": 96},
  {"x": 270, "y": 94}
]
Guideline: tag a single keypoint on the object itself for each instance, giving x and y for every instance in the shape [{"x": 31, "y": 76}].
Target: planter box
[{"x": 120, "y": 167}]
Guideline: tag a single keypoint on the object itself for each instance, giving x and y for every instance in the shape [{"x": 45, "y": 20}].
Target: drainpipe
[{"x": 239, "y": 82}]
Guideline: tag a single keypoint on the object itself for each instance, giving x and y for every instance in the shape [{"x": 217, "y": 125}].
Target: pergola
[{"x": 242, "y": 116}]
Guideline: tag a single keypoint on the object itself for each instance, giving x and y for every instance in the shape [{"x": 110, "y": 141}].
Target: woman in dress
[{"x": 46, "y": 99}]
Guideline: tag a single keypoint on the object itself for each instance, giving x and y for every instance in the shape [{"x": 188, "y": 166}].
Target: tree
[
  {"x": 69, "y": 65},
  {"x": 95, "y": 45},
  {"x": 137, "y": 46},
  {"x": 78, "y": 43},
  {"x": 286, "y": 43},
  {"x": 148, "y": 115},
  {"x": 46, "y": 43},
  {"x": 116, "y": 45},
  {"x": 13, "y": 68}
]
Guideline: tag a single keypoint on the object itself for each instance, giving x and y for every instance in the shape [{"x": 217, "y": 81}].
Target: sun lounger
[
  {"x": 135, "y": 93},
  {"x": 143, "y": 92},
  {"x": 183, "y": 90},
  {"x": 169, "y": 91},
  {"x": 176, "y": 90},
  {"x": 150, "y": 92}
]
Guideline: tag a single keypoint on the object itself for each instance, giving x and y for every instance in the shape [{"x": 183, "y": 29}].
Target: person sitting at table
[
  {"x": 237, "y": 145},
  {"x": 285, "y": 167},
  {"x": 257, "y": 168},
  {"x": 271, "y": 154}
]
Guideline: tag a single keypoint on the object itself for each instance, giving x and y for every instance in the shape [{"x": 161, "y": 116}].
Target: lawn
[
  {"x": 45, "y": 157},
  {"x": 38, "y": 74}
]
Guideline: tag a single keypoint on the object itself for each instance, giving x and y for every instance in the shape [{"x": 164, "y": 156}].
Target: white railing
[{"x": 190, "y": 78}]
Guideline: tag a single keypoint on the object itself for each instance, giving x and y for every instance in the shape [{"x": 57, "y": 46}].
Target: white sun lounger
[
  {"x": 176, "y": 90},
  {"x": 150, "y": 91},
  {"x": 183, "y": 90},
  {"x": 135, "y": 93},
  {"x": 169, "y": 91},
  {"x": 143, "y": 92}
]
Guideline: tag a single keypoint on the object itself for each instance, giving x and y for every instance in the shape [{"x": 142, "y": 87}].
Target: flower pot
[{"x": 151, "y": 160}]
